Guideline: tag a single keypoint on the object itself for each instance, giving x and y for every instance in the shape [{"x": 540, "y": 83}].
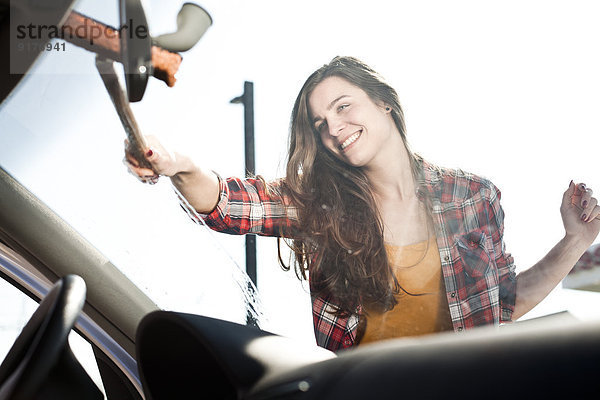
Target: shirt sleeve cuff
[{"x": 216, "y": 213}]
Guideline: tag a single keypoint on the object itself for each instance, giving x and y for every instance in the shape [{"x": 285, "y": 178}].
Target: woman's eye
[
  {"x": 342, "y": 106},
  {"x": 321, "y": 126}
]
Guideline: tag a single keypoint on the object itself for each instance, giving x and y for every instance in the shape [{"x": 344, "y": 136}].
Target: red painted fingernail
[{"x": 149, "y": 153}]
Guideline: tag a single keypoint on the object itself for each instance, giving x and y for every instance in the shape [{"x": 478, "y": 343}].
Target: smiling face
[{"x": 351, "y": 125}]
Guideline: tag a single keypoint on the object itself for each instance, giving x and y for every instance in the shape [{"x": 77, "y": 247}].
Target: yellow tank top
[{"x": 419, "y": 271}]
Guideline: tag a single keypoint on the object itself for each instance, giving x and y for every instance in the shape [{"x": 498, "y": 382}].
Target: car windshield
[{"x": 502, "y": 96}]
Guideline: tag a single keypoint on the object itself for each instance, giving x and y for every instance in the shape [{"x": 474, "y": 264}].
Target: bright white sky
[{"x": 508, "y": 90}]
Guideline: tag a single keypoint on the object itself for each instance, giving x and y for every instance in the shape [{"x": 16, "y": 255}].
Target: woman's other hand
[{"x": 580, "y": 213}]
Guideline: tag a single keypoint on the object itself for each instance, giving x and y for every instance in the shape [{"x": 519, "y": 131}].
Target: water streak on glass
[{"x": 254, "y": 307}]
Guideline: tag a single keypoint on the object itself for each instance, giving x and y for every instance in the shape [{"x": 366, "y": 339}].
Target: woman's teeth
[{"x": 350, "y": 140}]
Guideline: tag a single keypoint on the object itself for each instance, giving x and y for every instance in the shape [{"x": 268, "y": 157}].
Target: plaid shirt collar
[{"x": 429, "y": 180}]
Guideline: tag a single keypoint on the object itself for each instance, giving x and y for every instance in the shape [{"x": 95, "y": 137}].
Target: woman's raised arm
[
  {"x": 579, "y": 211},
  {"x": 200, "y": 187}
]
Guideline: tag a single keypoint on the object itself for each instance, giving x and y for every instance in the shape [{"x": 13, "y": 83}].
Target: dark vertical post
[
  {"x": 247, "y": 99},
  {"x": 249, "y": 127},
  {"x": 250, "y": 170}
]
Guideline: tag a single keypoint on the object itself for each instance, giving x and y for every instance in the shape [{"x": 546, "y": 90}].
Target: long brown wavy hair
[{"x": 341, "y": 242}]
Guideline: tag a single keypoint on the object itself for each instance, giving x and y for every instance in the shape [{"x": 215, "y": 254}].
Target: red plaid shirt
[{"x": 478, "y": 273}]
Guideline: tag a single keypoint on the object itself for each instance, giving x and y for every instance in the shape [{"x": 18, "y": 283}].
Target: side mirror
[
  {"x": 136, "y": 46},
  {"x": 136, "y": 43}
]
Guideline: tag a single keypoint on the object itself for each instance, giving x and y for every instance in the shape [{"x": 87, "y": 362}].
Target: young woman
[{"x": 394, "y": 245}]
